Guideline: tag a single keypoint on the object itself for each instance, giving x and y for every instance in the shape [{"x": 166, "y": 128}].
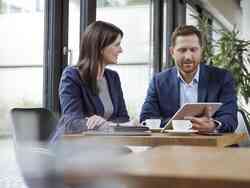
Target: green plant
[
  {"x": 206, "y": 29},
  {"x": 2, "y": 7},
  {"x": 232, "y": 54}
]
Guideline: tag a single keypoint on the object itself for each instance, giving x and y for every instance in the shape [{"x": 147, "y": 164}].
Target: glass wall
[
  {"x": 216, "y": 34},
  {"x": 165, "y": 45},
  {"x": 133, "y": 17},
  {"x": 191, "y": 13},
  {"x": 21, "y": 56},
  {"x": 74, "y": 31}
]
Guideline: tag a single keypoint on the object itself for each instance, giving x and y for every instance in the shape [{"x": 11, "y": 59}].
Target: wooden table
[
  {"x": 189, "y": 167},
  {"x": 157, "y": 139},
  {"x": 169, "y": 166}
]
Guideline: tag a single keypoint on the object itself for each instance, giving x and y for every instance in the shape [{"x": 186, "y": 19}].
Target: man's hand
[{"x": 202, "y": 124}]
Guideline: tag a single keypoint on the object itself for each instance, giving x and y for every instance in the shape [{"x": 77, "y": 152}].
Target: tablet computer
[{"x": 194, "y": 110}]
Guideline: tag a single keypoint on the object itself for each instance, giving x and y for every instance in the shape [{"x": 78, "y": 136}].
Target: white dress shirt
[{"x": 189, "y": 91}]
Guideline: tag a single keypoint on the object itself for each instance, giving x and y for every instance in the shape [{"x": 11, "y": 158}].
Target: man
[{"x": 189, "y": 82}]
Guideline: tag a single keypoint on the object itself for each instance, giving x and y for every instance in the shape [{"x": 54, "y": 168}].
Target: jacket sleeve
[
  {"x": 227, "y": 114},
  {"x": 150, "y": 108},
  {"x": 71, "y": 102},
  {"x": 67, "y": 124},
  {"x": 122, "y": 115}
]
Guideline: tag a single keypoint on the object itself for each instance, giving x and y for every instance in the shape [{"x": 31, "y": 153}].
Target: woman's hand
[{"x": 94, "y": 122}]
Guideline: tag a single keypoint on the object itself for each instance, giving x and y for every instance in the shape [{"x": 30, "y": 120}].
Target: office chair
[
  {"x": 243, "y": 127},
  {"x": 38, "y": 167},
  {"x": 32, "y": 129},
  {"x": 32, "y": 125}
]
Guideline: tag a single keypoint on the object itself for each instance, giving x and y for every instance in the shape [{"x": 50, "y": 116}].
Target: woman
[{"x": 90, "y": 94}]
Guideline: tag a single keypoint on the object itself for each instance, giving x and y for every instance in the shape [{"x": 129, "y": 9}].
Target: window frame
[
  {"x": 55, "y": 58},
  {"x": 56, "y": 41}
]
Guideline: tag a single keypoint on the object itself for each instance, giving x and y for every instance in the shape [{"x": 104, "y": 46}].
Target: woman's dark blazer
[{"x": 78, "y": 102}]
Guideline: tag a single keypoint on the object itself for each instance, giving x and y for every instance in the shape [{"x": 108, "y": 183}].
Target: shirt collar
[{"x": 195, "y": 78}]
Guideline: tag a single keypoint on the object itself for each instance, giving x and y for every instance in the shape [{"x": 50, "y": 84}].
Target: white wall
[
  {"x": 245, "y": 4},
  {"x": 227, "y": 11}
]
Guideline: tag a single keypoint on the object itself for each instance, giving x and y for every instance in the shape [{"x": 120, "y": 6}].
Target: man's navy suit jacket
[
  {"x": 78, "y": 102},
  {"x": 215, "y": 85}
]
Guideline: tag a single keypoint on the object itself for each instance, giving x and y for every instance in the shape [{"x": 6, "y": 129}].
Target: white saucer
[{"x": 181, "y": 132}]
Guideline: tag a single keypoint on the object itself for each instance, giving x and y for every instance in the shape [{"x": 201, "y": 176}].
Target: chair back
[
  {"x": 243, "y": 127},
  {"x": 32, "y": 125},
  {"x": 32, "y": 130},
  {"x": 38, "y": 168}
]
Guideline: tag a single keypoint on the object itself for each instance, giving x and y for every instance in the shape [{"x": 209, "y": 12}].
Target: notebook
[
  {"x": 130, "y": 128},
  {"x": 119, "y": 133}
]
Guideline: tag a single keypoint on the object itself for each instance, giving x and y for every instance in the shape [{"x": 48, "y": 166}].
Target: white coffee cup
[
  {"x": 152, "y": 123},
  {"x": 181, "y": 125}
]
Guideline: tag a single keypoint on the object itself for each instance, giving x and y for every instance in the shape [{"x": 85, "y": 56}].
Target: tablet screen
[{"x": 194, "y": 110}]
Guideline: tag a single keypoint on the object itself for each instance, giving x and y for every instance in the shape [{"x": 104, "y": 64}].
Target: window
[
  {"x": 190, "y": 13},
  {"x": 133, "y": 17},
  {"x": 74, "y": 31},
  {"x": 216, "y": 35},
  {"x": 165, "y": 45},
  {"x": 21, "y": 57}
]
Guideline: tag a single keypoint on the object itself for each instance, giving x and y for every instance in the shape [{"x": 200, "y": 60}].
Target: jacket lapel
[
  {"x": 112, "y": 91},
  {"x": 203, "y": 84},
  {"x": 174, "y": 91},
  {"x": 96, "y": 103},
  {"x": 93, "y": 102}
]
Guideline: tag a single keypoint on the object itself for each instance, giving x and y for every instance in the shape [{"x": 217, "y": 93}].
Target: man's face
[{"x": 187, "y": 53}]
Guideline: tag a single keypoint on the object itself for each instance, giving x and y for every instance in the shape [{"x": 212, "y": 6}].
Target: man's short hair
[{"x": 185, "y": 30}]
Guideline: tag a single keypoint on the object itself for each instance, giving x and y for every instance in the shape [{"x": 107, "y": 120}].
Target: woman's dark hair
[{"x": 96, "y": 37}]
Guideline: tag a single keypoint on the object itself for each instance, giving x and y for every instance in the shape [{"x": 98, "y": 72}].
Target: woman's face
[{"x": 111, "y": 52}]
